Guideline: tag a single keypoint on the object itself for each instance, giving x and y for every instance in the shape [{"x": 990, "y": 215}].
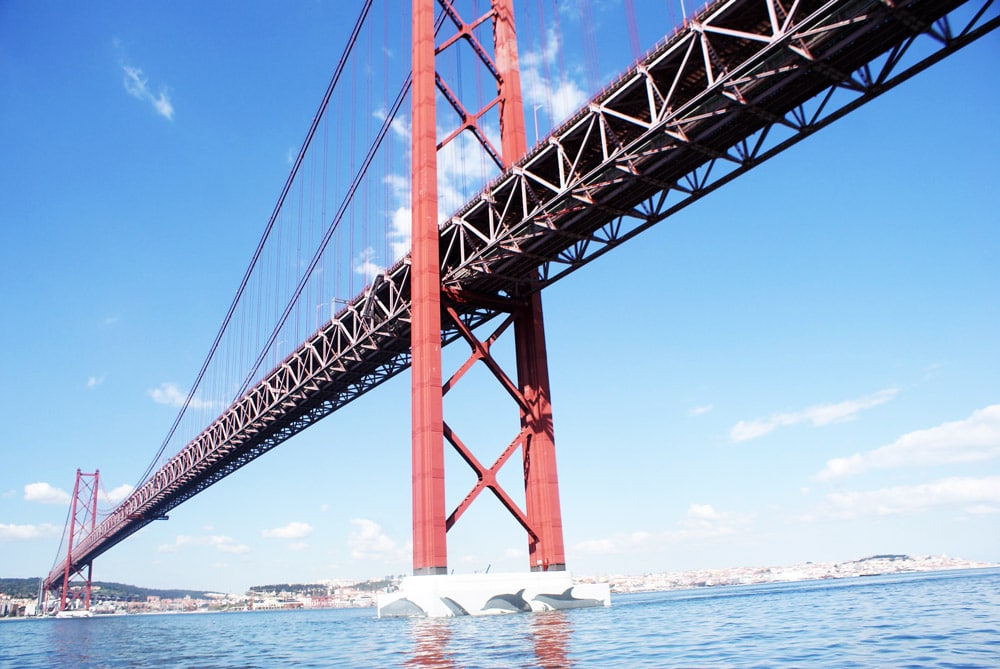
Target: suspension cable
[
  {"x": 334, "y": 223},
  {"x": 263, "y": 240}
]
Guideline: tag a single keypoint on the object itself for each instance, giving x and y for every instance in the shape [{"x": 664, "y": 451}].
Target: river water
[{"x": 942, "y": 619}]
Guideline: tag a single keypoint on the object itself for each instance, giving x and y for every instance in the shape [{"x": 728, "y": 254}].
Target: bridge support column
[
  {"x": 82, "y": 520},
  {"x": 431, "y": 591},
  {"x": 541, "y": 483},
  {"x": 430, "y": 553},
  {"x": 542, "y": 518}
]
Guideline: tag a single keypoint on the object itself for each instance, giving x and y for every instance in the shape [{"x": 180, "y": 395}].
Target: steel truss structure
[{"x": 736, "y": 85}]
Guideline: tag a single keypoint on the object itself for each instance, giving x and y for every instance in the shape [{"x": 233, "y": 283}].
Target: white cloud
[
  {"x": 400, "y": 125},
  {"x": 293, "y": 530},
  {"x": 817, "y": 415},
  {"x": 615, "y": 545},
  {"x": 365, "y": 265},
  {"x": 27, "y": 532},
  {"x": 703, "y": 521},
  {"x": 94, "y": 381},
  {"x": 221, "y": 543},
  {"x": 982, "y": 509},
  {"x": 368, "y": 541},
  {"x": 48, "y": 494},
  {"x": 700, "y": 411},
  {"x": 559, "y": 98},
  {"x": 181, "y": 541},
  {"x": 974, "y": 439},
  {"x": 700, "y": 521},
  {"x": 976, "y": 493},
  {"x": 463, "y": 166},
  {"x": 401, "y": 225},
  {"x": 225, "y": 544},
  {"x": 115, "y": 495},
  {"x": 45, "y": 494},
  {"x": 137, "y": 86},
  {"x": 171, "y": 395}
]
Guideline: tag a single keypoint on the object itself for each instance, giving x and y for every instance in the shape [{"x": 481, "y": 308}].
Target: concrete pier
[{"x": 443, "y": 596}]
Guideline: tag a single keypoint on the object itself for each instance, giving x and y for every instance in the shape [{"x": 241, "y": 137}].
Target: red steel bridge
[{"x": 736, "y": 84}]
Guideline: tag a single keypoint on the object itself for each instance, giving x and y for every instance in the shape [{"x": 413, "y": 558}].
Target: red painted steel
[
  {"x": 513, "y": 139},
  {"x": 85, "y": 488},
  {"x": 430, "y": 552},
  {"x": 541, "y": 485},
  {"x": 542, "y": 519}
]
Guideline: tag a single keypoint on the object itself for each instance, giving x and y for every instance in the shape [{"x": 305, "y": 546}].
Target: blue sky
[{"x": 802, "y": 366}]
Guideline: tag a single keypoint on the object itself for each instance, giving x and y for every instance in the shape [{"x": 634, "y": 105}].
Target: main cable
[
  {"x": 334, "y": 224},
  {"x": 263, "y": 240}
]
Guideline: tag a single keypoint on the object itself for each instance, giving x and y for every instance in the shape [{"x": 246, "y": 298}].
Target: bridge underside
[{"x": 737, "y": 85}]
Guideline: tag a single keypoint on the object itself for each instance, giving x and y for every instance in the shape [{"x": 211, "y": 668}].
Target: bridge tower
[
  {"x": 82, "y": 520},
  {"x": 541, "y": 518}
]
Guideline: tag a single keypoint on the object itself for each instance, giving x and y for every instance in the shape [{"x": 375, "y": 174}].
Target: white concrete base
[{"x": 444, "y": 596}]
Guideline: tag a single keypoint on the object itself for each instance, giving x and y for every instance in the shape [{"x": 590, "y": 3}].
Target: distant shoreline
[
  {"x": 349, "y": 597},
  {"x": 876, "y": 565}
]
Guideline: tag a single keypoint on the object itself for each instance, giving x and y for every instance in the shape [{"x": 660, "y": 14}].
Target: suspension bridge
[{"x": 439, "y": 223}]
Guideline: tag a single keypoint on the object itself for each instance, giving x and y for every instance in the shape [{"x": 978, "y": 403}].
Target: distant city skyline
[{"x": 800, "y": 367}]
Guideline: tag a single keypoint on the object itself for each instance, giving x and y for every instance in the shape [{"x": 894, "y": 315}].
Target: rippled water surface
[{"x": 948, "y": 619}]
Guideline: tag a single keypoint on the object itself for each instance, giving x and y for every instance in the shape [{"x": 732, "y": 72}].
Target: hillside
[{"x": 28, "y": 587}]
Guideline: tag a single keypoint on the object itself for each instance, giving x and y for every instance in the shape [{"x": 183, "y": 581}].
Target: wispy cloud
[
  {"x": 974, "y": 439},
  {"x": 293, "y": 530},
  {"x": 368, "y": 541},
  {"x": 817, "y": 415},
  {"x": 703, "y": 521},
  {"x": 171, "y": 395},
  {"x": 701, "y": 410},
  {"x": 221, "y": 543},
  {"x": 700, "y": 521},
  {"x": 365, "y": 265},
  {"x": 137, "y": 86},
  {"x": 27, "y": 532},
  {"x": 980, "y": 495},
  {"x": 94, "y": 381},
  {"x": 557, "y": 97},
  {"x": 45, "y": 493}
]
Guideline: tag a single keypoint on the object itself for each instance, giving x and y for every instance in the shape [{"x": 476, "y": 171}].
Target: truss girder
[
  {"x": 736, "y": 85},
  {"x": 701, "y": 108}
]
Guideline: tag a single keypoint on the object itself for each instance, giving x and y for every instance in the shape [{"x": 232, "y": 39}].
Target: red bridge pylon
[
  {"x": 541, "y": 519},
  {"x": 76, "y": 582}
]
